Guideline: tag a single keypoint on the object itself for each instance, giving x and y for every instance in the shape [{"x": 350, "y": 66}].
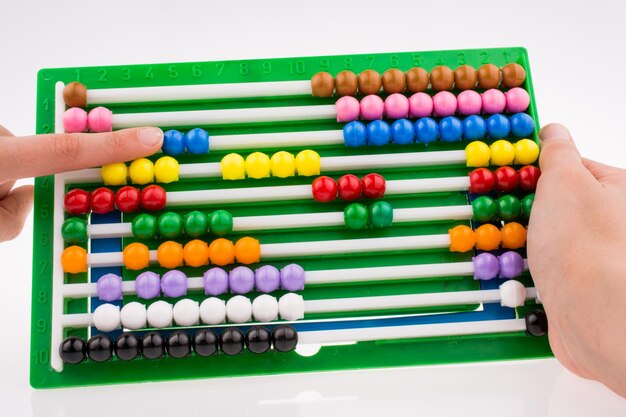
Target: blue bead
[
  {"x": 378, "y": 133},
  {"x": 402, "y": 132},
  {"x": 355, "y": 134},
  {"x": 450, "y": 129},
  {"x": 522, "y": 125},
  {"x": 498, "y": 126},
  {"x": 197, "y": 141},
  {"x": 474, "y": 127},
  {"x": 173, "y": 143},
  {"x": 426, "y": 130}
]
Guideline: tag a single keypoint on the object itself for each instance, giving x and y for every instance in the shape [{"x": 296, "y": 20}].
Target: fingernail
[
  {"x": 150, "y": 136},
  {"x": 554, "y": 131}
]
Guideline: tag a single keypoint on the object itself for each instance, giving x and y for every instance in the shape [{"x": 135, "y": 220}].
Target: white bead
[
  {"x": 160, "y": 314},
  {"x": 291, "y": 306},
  {"x": 265, "y": 308},
  {"x": 134, "y": 316},
  {"x": 186, "y": 312},
  {"x": 512, "y": 294},
  {"x": 213, "y": 311},
  {"x": 239, "y": 309},
  {"x": 106, "y": 317}
]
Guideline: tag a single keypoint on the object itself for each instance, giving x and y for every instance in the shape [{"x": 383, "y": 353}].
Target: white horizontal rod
[{"x": 276, "y": 140}]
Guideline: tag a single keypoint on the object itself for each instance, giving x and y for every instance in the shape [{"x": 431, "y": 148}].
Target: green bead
[
  {"x": 527, "y": 205},
  {"x": 381, "y": 213},
  {"x": 74, "y": 230},
  {"x": 144, "y": 226},
  {"x": 356, "y": 216},
  {"x": 196, "y": 224},
  {"x": 509, "y": 207},
  {"x": 170, "y": 225},
  {"x": 221, "y": 222},
  {"x": 484, "y": 209}
]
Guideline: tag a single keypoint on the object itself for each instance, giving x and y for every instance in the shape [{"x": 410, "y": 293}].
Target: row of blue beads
[{"x": 196, "y": 141}]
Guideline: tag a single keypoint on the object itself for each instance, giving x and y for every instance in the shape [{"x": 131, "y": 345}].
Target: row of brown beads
[{"x": 417, "y": 79}]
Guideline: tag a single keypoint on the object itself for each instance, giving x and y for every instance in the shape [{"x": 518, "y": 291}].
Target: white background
[{"x": 577, "y": 58}]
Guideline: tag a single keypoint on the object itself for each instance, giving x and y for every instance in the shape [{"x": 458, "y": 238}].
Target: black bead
[
  {"x": 73, "y": 350},
  {"x": 258, "y": 339},
  {"x": 178, "y": 344},
  {"x": 205, "y": 342},
  {"x": 100, "y": 348},
  {"x": 152, "y": 345},
  {"x": 536, "y": 323},
  {"x": 126, "y": 346},
  {"x": 284, "y": 338},
  {"x": 231, "y": 341}
]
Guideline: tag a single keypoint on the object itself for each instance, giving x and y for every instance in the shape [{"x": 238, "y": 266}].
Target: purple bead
[
  {"x": 148, "y": 285},
  {"x": 267, "y": 278},
  {"x": 511, "y": 265},
  {"x": 292, "y": 277},
  {"x": 215, "y": 281},
  {"x": 486, "y": 266},
  {"x": 241, "y": 280},
  {"x": 109, "y": 287},
  {"x": 174, "y": 284}
]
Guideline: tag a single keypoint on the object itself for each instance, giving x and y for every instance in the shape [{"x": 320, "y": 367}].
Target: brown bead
[
  {"x": 346, "y": 83},
  {"x": 394, "y": 81},
  {"x": 513, "y": 75},
  {"x": 465, "y": 77},
  {"x": 75, "y": 94},
  {"x": 441, "y": 78},
  {"x": 488, "y": 76},
  {"x": 322, "y": 85},
  {"x": 369, "y": 82},
  {"x": 417, "y": 80}
]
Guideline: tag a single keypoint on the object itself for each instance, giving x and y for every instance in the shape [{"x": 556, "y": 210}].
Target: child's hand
[
  {"x": 577, "y": 256},
  {"x": 34, "y": 156}
]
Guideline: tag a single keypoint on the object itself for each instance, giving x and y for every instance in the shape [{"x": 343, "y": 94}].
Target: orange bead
[
  {"x": 513, "y": 236},
  {"x": 222, "y": 252},
  {"x": 170, "y": 254},
  {"x": 248, "y": 250},
  {"x": 462, "y": 238},
  {"x": 196, "y": 253},
  {"x": 136, "y": 256},
  {"x": 74, "y": 260},
  {"x": 487, "y": 237}
]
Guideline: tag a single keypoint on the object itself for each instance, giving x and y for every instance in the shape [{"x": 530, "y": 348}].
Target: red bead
[
  {"x": 102, "y": 200},
  {"x": 349, "y": 187},
  {"x": 77, "y": 202},
  {"x": 127, "y": 199},
  {"x": 481, "y": 181},
  {"x": 324, "y": 189},
  {"x": 507, "y": 179},
  {"x": 153, "y": 198},
  {"x": 373, "y": 186},
  {"x": 528, "y": 177}
]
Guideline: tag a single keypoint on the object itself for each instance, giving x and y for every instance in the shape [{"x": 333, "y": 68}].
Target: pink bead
[
  {"x": 493, "y": 101},
  {"x": 469, "y": 102},
  {"x": 397, "y": 106},
  {"x": 347, "y": 108},
  {"x": 420, "y": 105},
  {"x": 372, "y": 107},
  {"x": 444, "y": 104},
  {"x": 75, "y": 120},
  {"x": 517, "y": 100},
  {"x": 100, "y": 120}
]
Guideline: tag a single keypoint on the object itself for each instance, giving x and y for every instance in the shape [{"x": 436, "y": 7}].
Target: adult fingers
[
  {"x": 606, "y": 174},
  {"x": 5, "y": 188},
  {"x": 558, "y": 150},
  {"x": 4, "y": 131},
  {"x": 14, "y": 209}
]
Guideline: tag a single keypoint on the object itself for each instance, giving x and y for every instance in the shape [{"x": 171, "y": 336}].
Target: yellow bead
[
  {"x": 308, "y": 163},
  {"x": 114, "y": 174},
  {"x": 166, "y": 169},
  {"x": 141, "y": 171},
  {"x": 526, "y": 152},
  {"x": 258, "y": 165},
  {"x": 233, "y": 167},
  {"x": 283, "y": 164},
  {"x": 502, "y": 153},
  {"x": 477, "y": 154}
]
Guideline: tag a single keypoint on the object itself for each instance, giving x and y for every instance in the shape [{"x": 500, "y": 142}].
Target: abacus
[{"x": 317, "y": 213}]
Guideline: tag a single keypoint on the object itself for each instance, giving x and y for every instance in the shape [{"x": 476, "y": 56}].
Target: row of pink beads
[{"x": 77, "y": 120}]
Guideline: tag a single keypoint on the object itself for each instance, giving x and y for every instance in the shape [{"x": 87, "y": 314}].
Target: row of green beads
[
  {"x": 171, "y": 225},
  {"x": 356, "y": 216},
  {"x": 506, "y": 207}
]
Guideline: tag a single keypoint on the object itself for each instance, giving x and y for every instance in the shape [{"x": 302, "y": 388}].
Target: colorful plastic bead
[
  {"x": 477, "y": 154},
  {"x": 426, "y": 130},
  {"x": 291, "y": 306},
  {"x": 486, "y": 266},
  {"x": 450, "y": 129},
  {"x": 526, "y": 152},
  {"x": 241, "y": 280},
  {"x": 507, "y": 179},
  {"x": 517, "y": 100},
  {"x": 102, "y": 200},
  {"x": 259, "y": 339},
  {"x": 465, "y": 77},
  {"x": 349, "y": 187},
  {"x": 374, "y": 186},
  {"x": 221, "y": 222},
  {"x": 100, "y": 348},
  {"x": 141, "y": 171},
  {"x": 126, "y": 347},
  {"x": 511, "y": 265},
  {"x": 394, "y": 81},
  {"x": 74, "y": 230},
  {"x": 474, "y": 127},
  {"x": 267, "y": 279},
  {"x": 75, "y": 94},
  {"x": 213, "y": 311},
  {"x": 494, "y": 101},
  {"x": 462, "y": 238},
  {"x": 258, "y": 165},
  {"x": 153, "y": 198},
  {"x": 178, "y": 345},
  {"x": 513, "y": 236},
  {"x": 109, "y": 287},
  {"x": 231, "y": 341},
  {"x": 378, "y": 133},
  {"x": 481, "y": 181},
  {"x": 484, "y": 209},
  {"x": 469, "y": 102},
  {"x": 136, "y": 256},
  {"x": 502, "y": 153},
  {"x": 346, "y": 83},
  {"x": 372, "y": 107},
  {"x": 355, "y": 134},
  {"x": 292, "y": 277},
  {"x": 284, "y": 338},
  {"x": 417, "y": 79},
  {"x": 498, "y": 126},
  {"x": 370, "y": 82},
  {"x": 233, "y": 167},
  {"x": 247, "y": 250},
  {"x": 215, "y": 281},
  {"x": 114, "y": 174},
  {"x": 144, "y": 226},
  {"x": 488, "y": 237},
  {"x": 239, "y": 309},
  {"x": 381, "y": 214},
  {"x": 170, "y": 225},
  {"x": 74, "y": 260},
  {"x": 441, "y": 78},
  {"x": 397, "y": 106},
  {"x": 308, "y": 163},
  {"x": 100, "y": 119},
  {"x": 75, "y": 120},
  {"x": 127, "y": 199},
  {"x": 527, "y": 205},
  {"x": 444, "y": 104},
  {"x": 536, "y": 323},
  {"x": 152, "y": 345},
  {"x": 195, "y": 224},
  {"x": 166, "y": 169},
  {"x": 348, "y": 109},
  {"x": 197, "y": 141},
  {"x": 160, "y": 314},
  {"x": 134, "y": 316},
  {"x": 205, "y": 340},
  {"x": 196, "y": 253},
  {"x": 509, "y": 207},
  {"x": 221, "y": 252},
  {"x": 356, "y": 216},
  {"x": 283, "y": 164},
  {"x": 148, "y": 285},
  {"x": 170, "y": 255},
  {"x": 324, "y": 189},
  {"x": 174, "y": 284},
  {"x": 513, "y": 75},
  {"x": 522, "y": 125},
  {"x": 73, "y": 350},
  {"x": 77, "y": 202},
  {"x": 488, "y": 76},
  {"x": 528, "y": 178},
  {"x": 420, "y": 105},
  {"x": 173, "y": 143},
  {"x": 106, "y": 317},
  {"x": 402, "y": 132},
  {"x": 322, "y": 85}
]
